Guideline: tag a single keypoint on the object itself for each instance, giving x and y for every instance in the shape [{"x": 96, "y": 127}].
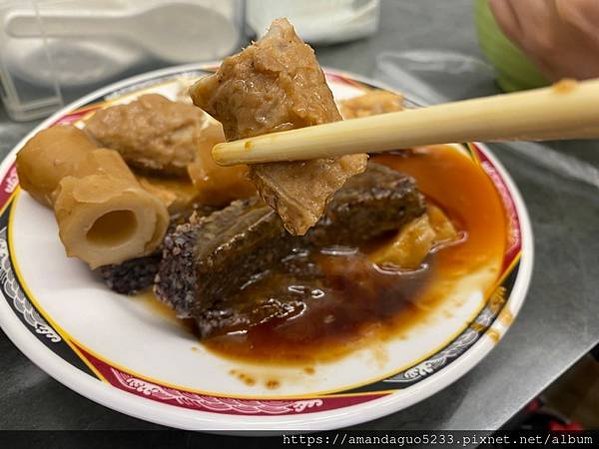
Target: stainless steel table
[{"x": 558, "y": 324}]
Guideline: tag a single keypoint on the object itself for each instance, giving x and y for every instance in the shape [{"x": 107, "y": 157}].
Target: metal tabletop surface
[{"x": 557, "y": 325}]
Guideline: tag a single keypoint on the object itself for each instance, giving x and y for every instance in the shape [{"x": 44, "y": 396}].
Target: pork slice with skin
[{"x": 275, "y": 85}]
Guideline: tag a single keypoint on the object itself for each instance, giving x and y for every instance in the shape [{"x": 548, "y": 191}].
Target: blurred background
[{"x": 54, "y": 51}]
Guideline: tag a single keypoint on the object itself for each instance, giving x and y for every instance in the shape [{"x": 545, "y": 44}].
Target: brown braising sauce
[
  {"x": 360, "y": 302},
  {"x": 355, "y": 300}
]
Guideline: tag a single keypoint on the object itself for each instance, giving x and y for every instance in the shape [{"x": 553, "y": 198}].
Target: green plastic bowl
[{"x": 514, "y": 70}]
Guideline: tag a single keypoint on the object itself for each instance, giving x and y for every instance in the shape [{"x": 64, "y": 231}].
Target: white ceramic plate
[{"x": 119, "y": 352}]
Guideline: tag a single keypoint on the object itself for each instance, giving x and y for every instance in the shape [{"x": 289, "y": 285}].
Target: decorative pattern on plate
[
  {"x": 456, "y": 348},
  {"x": 212, "y": 403},
  {"x": 438, "y": 361},
  {"x": 133, "y": 384},
  {"x": 11, "y": 181},
  {"x": 12, "y": 289}
]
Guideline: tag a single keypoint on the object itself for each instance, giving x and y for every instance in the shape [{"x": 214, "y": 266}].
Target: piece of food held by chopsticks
[
  {"x": 273, "y": 85},
  {"x": 104, "y": 216}
]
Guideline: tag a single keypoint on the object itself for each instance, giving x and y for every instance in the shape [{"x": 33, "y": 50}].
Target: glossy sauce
[
  {"x": 336, "y": 316},
  {"x": 357, "y": 302}
]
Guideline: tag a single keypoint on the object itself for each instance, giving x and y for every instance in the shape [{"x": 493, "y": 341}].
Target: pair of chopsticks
[{"x": 566, "y": 110}]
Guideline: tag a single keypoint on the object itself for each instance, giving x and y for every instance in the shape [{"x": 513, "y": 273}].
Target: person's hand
[{"x": 560, "y": 36}]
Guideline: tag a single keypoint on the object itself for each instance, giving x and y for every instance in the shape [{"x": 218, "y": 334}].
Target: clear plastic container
[
  {"x": 53, "y": 51},
  {"x": 318, "y": 21}
]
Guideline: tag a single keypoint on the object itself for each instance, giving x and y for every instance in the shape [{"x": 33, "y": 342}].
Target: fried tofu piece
[
  {"x": 414, "y": 242},
  {"x": 373, "y": 102},
  {"x": 177, "y": 194},
  {"x": 274, "y": 85},
  {"x": 216, "y": 185}
]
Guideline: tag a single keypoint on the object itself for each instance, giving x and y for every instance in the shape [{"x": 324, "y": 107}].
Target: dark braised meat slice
[
  {"x": 211, "y": 257},
  {"x": 370, "y": 204},
  {"x": 209, "y": 262},
  {"x": 278, "y": 294}
]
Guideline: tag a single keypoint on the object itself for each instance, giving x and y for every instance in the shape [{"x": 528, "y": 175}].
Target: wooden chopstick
[{"x": 567, "y": 110}]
